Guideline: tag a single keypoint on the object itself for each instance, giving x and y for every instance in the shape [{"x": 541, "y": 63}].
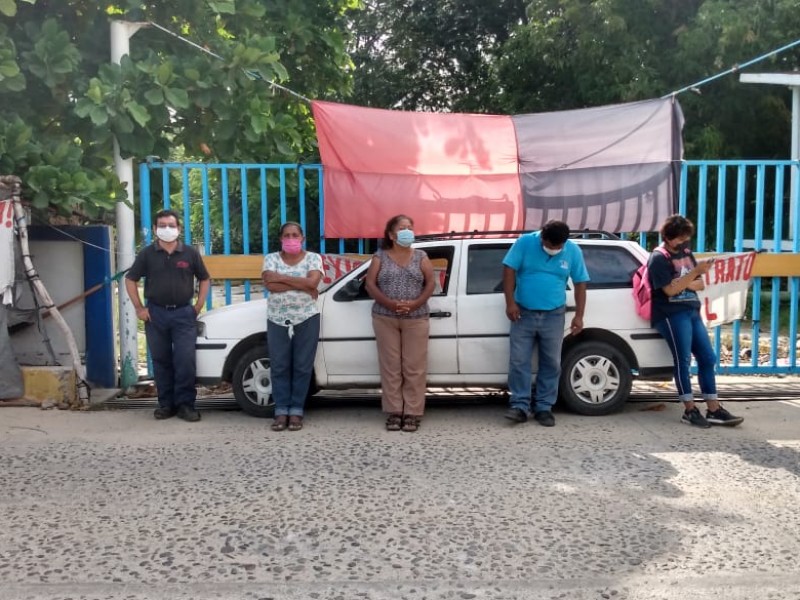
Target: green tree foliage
[
  {"x": 577, "y": 53},
  {"x": 430, "y": 54},
  {"x": 62, "y": 102},
  {"x": 543, "y": 55}
]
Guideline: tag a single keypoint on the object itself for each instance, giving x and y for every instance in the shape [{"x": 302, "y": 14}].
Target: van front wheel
[
  {"x": 252, "y": 383},
  {"x": 595, "y": 379}
]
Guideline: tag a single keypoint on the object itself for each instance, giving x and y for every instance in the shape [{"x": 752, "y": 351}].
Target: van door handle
[{"x": 440, "y": 315}]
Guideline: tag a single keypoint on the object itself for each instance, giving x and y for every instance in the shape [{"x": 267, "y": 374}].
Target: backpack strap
[{"x": 664, "y": 252}]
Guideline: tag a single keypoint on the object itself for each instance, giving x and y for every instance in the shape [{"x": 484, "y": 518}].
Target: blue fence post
[
  {"x": 701, "y": 204},
  {"x": 165, "y": 197},
  {"x": 301, "y": 193},
  {"x": 682, "y": 198},
  {"x": 144, "y": 201},
  {"x": 283, "y": 194},
  {"x": 245, "y": 223},
  {"x": 755, "y": 333},
  {"x": 187, "y": 229}
]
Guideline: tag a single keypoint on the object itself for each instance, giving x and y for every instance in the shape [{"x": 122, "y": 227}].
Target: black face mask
[{"x": 682, "y": 248}]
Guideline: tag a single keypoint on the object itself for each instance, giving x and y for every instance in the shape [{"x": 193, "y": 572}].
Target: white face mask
[
  {"x": 167, "y": 234},
  {"x": 551, "y": 251}
]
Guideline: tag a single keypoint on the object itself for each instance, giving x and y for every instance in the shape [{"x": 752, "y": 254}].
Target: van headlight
[{"x": 201, "y": 328}]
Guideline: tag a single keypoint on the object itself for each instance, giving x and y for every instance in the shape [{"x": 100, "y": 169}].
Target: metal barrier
[
  {"x": 741, "y": 205},
  {"x": 245, "y": 200}
]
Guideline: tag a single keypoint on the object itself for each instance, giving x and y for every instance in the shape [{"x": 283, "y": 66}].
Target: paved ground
[{"x": 634, "y": 506}]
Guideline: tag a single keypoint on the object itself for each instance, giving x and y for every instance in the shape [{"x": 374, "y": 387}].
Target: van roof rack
[{"x": 590, "y": 234}]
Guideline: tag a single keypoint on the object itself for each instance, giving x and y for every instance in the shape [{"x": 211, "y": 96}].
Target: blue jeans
[
  {"x": 543, "y": 329},
  {"x": 292, "y": 364},
  {"x": 171, "y": 337},
  {"x": 686, "y": 334}
]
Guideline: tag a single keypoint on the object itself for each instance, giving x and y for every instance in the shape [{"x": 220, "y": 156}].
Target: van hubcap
[
  {"x": 257, "y": 382},
  {"x": 595, "y": 379}
]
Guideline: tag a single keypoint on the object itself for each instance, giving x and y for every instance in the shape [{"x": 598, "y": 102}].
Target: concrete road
[{"x": 634, "y": 506}]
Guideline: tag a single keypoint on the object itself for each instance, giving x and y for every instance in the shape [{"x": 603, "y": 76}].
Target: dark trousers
[
  {"x": 171, "y": 338},
  {"x": 292, "y": 364}
]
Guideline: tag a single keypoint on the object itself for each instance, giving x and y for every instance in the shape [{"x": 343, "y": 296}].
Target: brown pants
[{"x": 403, "y": 359}]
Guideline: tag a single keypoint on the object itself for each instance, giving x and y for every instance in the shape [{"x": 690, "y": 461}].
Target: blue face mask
[{"x": 405, "y": 237}]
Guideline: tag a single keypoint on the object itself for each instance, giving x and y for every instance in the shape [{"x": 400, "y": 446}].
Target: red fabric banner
[{"x": 448, "y": 172}]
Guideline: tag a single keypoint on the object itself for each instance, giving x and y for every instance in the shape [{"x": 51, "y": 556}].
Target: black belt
[
  {"x": 540, "y": 310},
  {"x": 168, "y": 306}
]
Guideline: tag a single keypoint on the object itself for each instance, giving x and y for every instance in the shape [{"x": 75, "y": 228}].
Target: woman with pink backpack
[{"x": 675, "y": 278}]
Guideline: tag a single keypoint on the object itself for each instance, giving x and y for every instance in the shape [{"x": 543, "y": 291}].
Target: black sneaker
[
  {"x": 164, "y": 413},
  {"x": 187, "y": 413},
  {"x": 545, "y": 418},
  {"x": 722, "y": 417},
  {"x": 516, "y": 414},
  {"x": 695, "y": 419}
]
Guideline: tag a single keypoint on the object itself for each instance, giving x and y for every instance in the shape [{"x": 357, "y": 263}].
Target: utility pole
[{"x": 121, "y": 33}]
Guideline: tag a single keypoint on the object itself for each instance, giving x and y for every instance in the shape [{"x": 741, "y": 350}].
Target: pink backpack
[{"x": 642, "y": 291}]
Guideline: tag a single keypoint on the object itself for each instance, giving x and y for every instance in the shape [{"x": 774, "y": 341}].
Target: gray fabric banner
[{"x": 613, "y": 168}]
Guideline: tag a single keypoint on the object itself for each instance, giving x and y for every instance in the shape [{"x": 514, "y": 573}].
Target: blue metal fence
[
  {"x": 741, "y": 205},
  {"x": 746, "y": 201}
]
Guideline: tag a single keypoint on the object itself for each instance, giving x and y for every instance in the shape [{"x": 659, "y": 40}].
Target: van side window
[
  {"x": 609, "y": 267},
  {"x": 485, "y": 268},
  {"x": 441, "y": 257}
]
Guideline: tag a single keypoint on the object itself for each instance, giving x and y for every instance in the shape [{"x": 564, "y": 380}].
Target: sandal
[
  {"x": 280, "y": 422},
  {"x": 411, "y": 424},
  {"x": 295, "y": 423},
  {"x": 393, "y": 423}
]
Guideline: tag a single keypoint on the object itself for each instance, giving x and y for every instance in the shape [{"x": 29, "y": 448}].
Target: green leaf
[
  {"x": 281, "y": 71},
  {"x": 83, "y": 107},
  {"x": 164, "y": 73},
  {"x": 94, "y": 93},
  {"x": 253, "y": 9},
  {"x": 177, "y": 97},
  {"x": 8, "y": 7},
  {"x": 23, "y": 137},
  {"x": 123, "y": 124},
  {"x": 8, "y": 69},
  {"x": 154, "y": 96},
  {"x": 223, "y": 6},
  {"x": 138, "y": 112},
  {"x": 14, "y": 84},
  {"x": 258, "y": 123},
  {"x": 98, "y": 115}
]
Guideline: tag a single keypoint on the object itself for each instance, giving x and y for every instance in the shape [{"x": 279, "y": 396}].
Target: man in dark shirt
[{"x": 170, "y": 268}]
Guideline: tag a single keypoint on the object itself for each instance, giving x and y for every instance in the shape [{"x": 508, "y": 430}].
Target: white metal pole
[{"x": 121, "y": 32}]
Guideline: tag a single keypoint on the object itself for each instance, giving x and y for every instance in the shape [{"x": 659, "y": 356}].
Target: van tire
[
  {"x": 595, "y": 379},
  {"x": 252, "y": 383}
]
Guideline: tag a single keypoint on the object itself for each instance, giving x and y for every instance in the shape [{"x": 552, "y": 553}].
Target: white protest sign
[{"x": 725, "y": 298}]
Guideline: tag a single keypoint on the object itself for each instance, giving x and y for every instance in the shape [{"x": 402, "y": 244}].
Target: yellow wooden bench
[{"x": 248, "y": 266}]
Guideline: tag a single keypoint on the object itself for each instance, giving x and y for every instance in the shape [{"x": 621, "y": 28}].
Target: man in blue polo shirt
[{"x": 535, "y": 274}]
